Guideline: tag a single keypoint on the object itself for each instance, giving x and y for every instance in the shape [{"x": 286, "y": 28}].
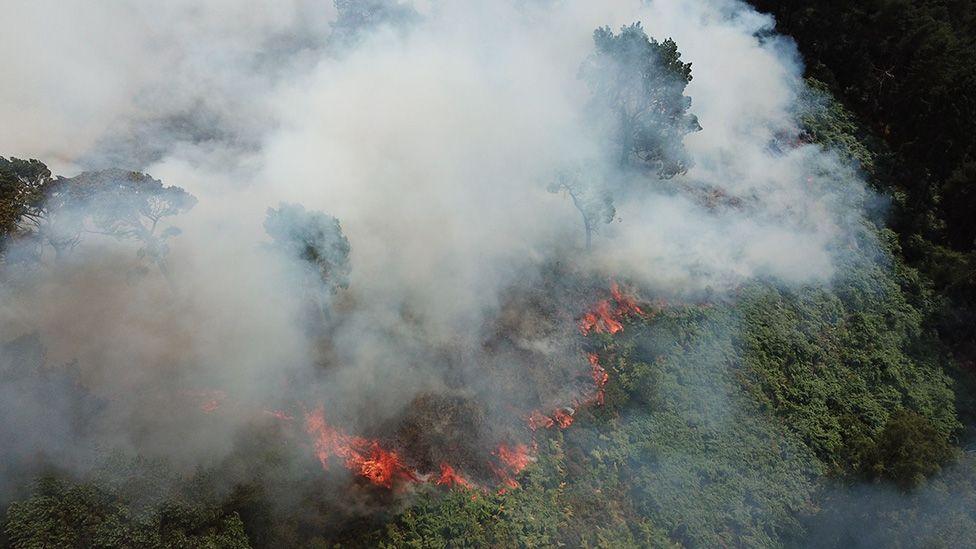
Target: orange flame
[
  {"x": 605, "y": 318},
  {"x": 538, "y": 420},
  {"x": 361, "y": 456},
  {"x": 626, "y": 305},
  {"x": 449, "y": 477},
  {"x": 516, "y": 458},
  {"x": 564, "y": 417},
  {"x": 369, "y": 459},
  {"x": 600, "y": 320}
]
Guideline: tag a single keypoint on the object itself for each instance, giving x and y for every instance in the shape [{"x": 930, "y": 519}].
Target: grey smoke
[{"x": 432, "y": 144}]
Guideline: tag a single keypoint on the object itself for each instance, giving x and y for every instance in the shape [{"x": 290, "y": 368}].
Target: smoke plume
[{"x": 432, "y": 137}]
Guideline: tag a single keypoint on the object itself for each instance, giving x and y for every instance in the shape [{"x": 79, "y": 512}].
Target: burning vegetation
[
  {"x": 606, "y": 317},
  {"x": 429, "y": 446}
]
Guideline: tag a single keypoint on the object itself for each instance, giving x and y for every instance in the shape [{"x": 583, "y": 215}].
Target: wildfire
[
  {"x": 606, "y": 317},
  {"x": 538, "y": 420},
  {"x": 449, "y": 477},
  {"x": 279, "y": 414},
  {"x": 382, "y": 467},
  {"x": 360, "y": 455},
  {"x": 563, "y": 417},
  {"x": 600, "y": 377},
  {"x": 209, "y": 401},
  {"x": 600, "y": 320},
  {"x": 626, "y": 304},
  {"x": 514, "y": 459}
]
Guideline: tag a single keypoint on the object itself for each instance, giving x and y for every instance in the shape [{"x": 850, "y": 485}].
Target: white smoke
[{"x": 432, "y": 146}]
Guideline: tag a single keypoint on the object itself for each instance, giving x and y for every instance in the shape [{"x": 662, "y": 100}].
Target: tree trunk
[{"x": 586, "y": 220}]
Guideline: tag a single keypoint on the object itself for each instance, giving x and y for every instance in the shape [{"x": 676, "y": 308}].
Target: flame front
[
  {"x": 606, "y": 317},
  {"x": 513, "y": 460},
  {"x": 361, "y": 456},
  {"x": 369, "y": 459},
  {"x": 449, "y": 477}
]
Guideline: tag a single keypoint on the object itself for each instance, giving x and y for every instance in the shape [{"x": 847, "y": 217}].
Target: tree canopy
[
  {"x": 637, "y": 86},
  {"x": 313, "y": 237}
]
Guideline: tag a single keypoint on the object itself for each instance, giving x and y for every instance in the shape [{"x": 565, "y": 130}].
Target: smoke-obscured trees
[
  {"x": 594, "y": 201},
  {"x": 47, "y": 411},
  {"x": 58, "y": 211},
  {"x": 638, "y": 102},
  {"x": 638, "y": 92},
  {"x": 131, "y": 206},
  {"x": 313, "y": 237},
  {"x": 354, "y": 17}
]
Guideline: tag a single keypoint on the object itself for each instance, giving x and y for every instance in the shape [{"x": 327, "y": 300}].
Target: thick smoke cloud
[{"x": 433, "y": 144}]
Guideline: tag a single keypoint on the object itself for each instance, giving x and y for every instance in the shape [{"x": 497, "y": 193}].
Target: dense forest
[{"x": 507, "y": 274}]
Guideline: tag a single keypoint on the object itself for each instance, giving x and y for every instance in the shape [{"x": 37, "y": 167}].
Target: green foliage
[
  {"x": 678, "y": 456},
  {"x": 942, "y": 513},
  {"x": 61, "y": 514},
  {"x": 22, "y": 185},
  {"x": 724, "y": 425},
  {"x": 638, "y": 86},
  {"x": 908, "y": 71},
  {"x": 907, "y": 451},
  {"x": 314, "y": 238},
  {"x": 829, "y": 124},
  {"x": 702, "y": 461},
  {"x": 57, "y": 211},
  {"x": 835, "y": 363},
  {"x": 557, "y": 504}
]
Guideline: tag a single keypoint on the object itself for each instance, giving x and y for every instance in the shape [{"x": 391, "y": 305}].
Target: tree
[
  {"x": 907, "y": 451},
  {"x": 595, "y": 203},
  {"x": 354, "y": 17},
  {"x": 59, "y": 514},
  {"x": 129, "y": 206},
  {"x": 638, "y": 85},
  {"x": 315, "y": 238},
  {"x": 22, "y": 186}
]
